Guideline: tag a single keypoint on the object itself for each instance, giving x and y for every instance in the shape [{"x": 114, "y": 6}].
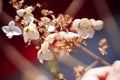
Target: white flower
[
  {"x": 44, "y": 53},
  {"x": 26, "y": 14},
  {"x": 30, "y": 32},
  {"x": 44, "y": 56},
  {"x": 11, "y": 30},
  {"x": 84, "y": 28},
  {"x": 98, "y": 24}
]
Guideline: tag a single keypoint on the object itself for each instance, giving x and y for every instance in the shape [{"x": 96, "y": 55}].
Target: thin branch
[
  {"x": 91, "y": 65},
  {"x": 93, "y": 54}
]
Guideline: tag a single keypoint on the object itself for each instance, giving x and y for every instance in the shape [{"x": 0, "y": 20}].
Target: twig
[
  {"x": 91, "y": 65},
  {"x": 93, "y": 54}
]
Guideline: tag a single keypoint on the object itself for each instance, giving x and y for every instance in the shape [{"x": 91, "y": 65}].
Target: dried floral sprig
[
  {"x": 17, "y": 4},
  {"x": 56, "y": 35},
  {"x": 103, "y": 46}
]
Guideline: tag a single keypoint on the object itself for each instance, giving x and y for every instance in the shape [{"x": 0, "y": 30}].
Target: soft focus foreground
[{"x": 58, "y": 40}]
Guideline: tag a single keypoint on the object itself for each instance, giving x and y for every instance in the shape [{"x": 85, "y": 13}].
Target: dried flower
[
  {"x": 26, "y": 14},
  {"x": 84, "y": 28},
  {"x": 30, "y": 32},
  {"x": 11, "y": 30},
  {"x": 103, "y": 46},
  {"x": 44, "y": 53},
  {"x": 44, "y": 56},
  {"x": 54, "y": 34}
]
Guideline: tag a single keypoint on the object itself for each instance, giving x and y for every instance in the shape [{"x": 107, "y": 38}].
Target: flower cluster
[{"x": 56, "y": 35}]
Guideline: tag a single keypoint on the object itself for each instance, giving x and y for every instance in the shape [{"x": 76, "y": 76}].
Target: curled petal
[
  {"x": 40, "y": 56},
  {"x": 20, "y": 12},
  {"x": 25, "y": 37},
  {"x": 29, "y": 17},
  {"x": 44, "y": 56},
  {"x": 50, "y": 38},
  {"x": 29, "y": 9}
]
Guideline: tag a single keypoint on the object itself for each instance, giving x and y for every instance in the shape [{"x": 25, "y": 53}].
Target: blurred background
[{"x": 18, "y": 62}]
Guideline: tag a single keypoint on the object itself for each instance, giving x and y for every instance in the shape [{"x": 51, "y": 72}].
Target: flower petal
[
  {"x": 91, "y": 33},
  {"x": 16, "y": 31},
  {"x": 29, "y": 17},
  {"x": 6, "y": 29},
  {"x": 71, "y": 35},
  {"x": 29, "y": 9},
  {"x": 25, "y": 37},
  {"x": 33, "y": 35},
  {"x": 41, "y": 60},
  {"x": 11, "y": 24},
  {"x": 32, "y": 26},
  {"x": 75, "y": 24},
  {"x": 50, "y": 38},
  {"x": 48, "y": 55},
  {"x": 98, "y": 25},
  {"x": 40, "y": 56},
  {"x": 51, "y": 28},
  {"x": 20, "y": 12}
]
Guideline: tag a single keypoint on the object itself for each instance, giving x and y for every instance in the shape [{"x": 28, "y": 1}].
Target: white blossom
[
  {"x": 26, "y": 14},
  {"x": 11, "y": 30},
  {"x": 84, "y": 28},
  {"x": 30, "y": 32},
  {"x": 44, "y": 56},
  {"x": 44, "y": 53}
]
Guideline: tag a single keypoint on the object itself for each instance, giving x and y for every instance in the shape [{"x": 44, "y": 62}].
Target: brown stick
[{"x": 93, "y": 55}]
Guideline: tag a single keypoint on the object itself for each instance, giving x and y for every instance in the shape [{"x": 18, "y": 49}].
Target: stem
[
  {"x": 91, "y": 65},
  {"x": 93, "y": 55}
]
